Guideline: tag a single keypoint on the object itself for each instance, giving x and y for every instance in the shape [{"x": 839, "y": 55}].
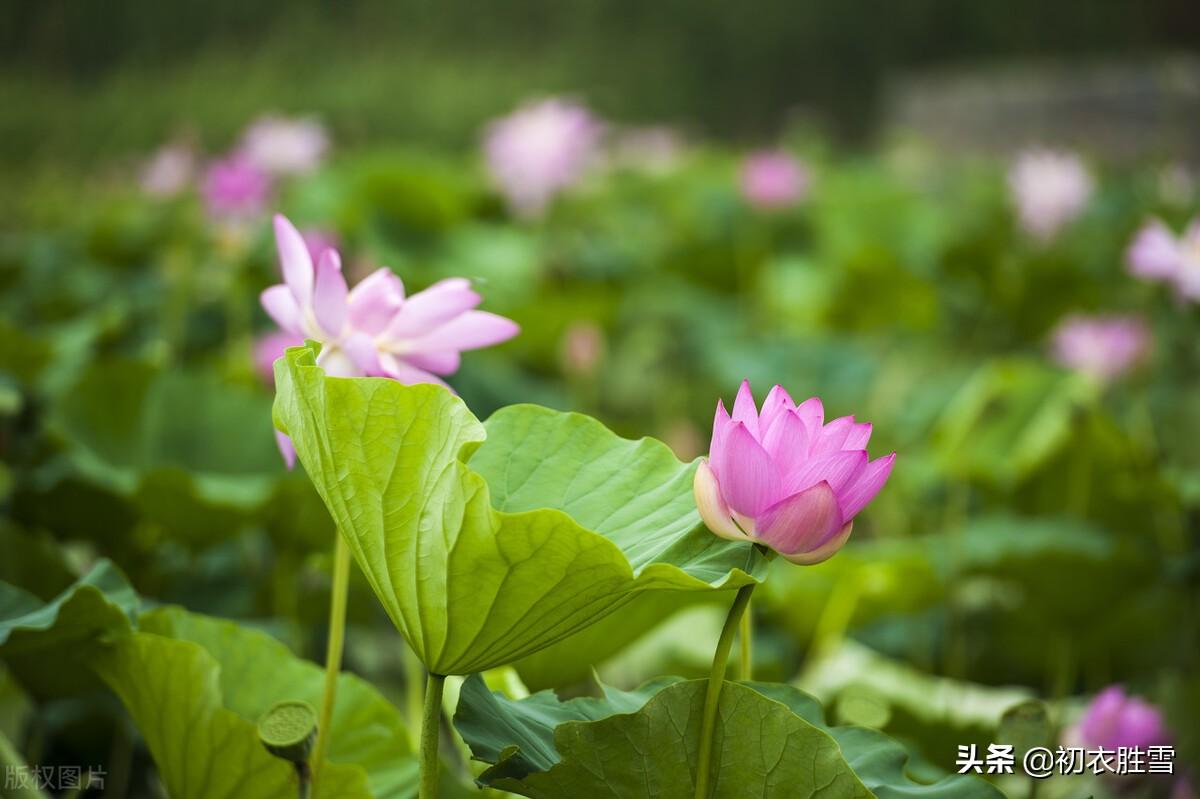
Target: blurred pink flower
[
  {"x": 372, "y": 329},
  {"x": 1158, "y": 254},
  {"x": 285, "y": 146},
  {"x": 1050, "y": 189},
  {"x": 582, "y": 347},
  {"x": 540, "y": 149},
  {"x": 1114, "y": 720},
  {"x": 783, "y": 478},
  {"x": 234, "y": 188},
  {"x": 1102, "y": 347},
  {"x": 169, "y": 171},
  {"x": 773, "y": 179},
  {"x": 269, "y": 348}
]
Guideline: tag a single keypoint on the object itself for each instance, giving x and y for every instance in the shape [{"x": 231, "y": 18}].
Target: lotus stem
[
  {"x": 746, "y": 646},
  {"x": 431, "y": 721},
  {"x": 333, "y": 652},
  {"x": 716, "y": 680}
]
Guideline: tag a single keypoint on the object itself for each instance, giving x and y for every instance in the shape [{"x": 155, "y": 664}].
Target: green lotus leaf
[
  {"x": 770, "y": 741},
  {"x": 195, "y": 687},
  {"x": 487, "y": 542}
]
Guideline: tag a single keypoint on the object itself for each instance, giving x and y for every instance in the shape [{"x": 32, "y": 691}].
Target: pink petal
[
  {"x": 270, "y": 348},
  {"x": 749, "y": 480},
  {"x": 360, "y": 348},
  {"x": 721, "y": 424},
  {"x": 711, "y": 505},
  {"x": 858, "y": 493},
  {"x": 777, "y": 401},
  {"x": 787, "y": 439},
  {"x": 440, "y": 363},
  {"x": 337, "y": 363},
  {"x": 280, "y": 305},
  {"x": 329, "y": 294},
  {"x": 744, "y": 410},
  {"x": 858, "y": 436},
  {"x": 286, "y": 449},
  {"x": 812, "y": 412},
  {"x": 469, "y": 331},
  {"x": 802, "y": 522},
  {"x": 375, "y": 300},
  {"x": 294, "y": 260},
  {"x": 838, "y": 470},
  {"x": 825, "y": 551},
  {"x": 407, "y": 374},
  {"x": 832, "y": 436},
  {"x": 426, "y": 310}
]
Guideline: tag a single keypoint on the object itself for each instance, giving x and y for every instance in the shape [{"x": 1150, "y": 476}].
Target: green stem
[
  {"x": 716, "y": 679},
  {"x": 430, "y": 731},
  {"x": 303, "y": 781},
  {"x": 11, "y": 762},
  {"x": 333, "y": 652},
  {"x": 746, "y": 645}
]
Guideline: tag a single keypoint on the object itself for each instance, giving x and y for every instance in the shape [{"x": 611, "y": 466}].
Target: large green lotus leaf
[
  {"x": 770, "y": 741},
  {"x": 554, "y": 523},
  {"x": 256, "y": 671},
  {"x": 100, "y": 602},
  {"x": 203, "y": 750}
]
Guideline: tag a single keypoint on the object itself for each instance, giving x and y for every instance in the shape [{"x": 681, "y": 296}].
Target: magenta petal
[
  {"x": 856, "y": 495},
  {"x": 749, "y": 479},
  {"x": 777, "y": 401},
  {"x": 294, "y": 260},
  {"x": 713, "y": 510},
  {"x": 802, "y": 522},
  {"x": 286, "y": 449},
  {"x": 832, "y": 436},
  {"x": 858, "y": 436},
  {"x": 375, "y": 300},
  {"x": 280, "y": 305},
  {"x": 721, "y": 424},
  {"x": 786, "y": 440},
  {"x": 440, "y": 363},
  {"x": 329, "y": 294},
  {"x": 744, "y": 410},
  {"x": 838, "y": 470},
  {"x": 812, "y": 413},
  {"x": 426, "y": 310},
  {"x": 469, "y": 331}
]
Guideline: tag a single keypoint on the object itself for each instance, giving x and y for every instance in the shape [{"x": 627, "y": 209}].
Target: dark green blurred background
[{"x": 84, "y": 80}]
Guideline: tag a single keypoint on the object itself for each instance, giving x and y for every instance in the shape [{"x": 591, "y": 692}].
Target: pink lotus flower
[
  {"x": 773, "y": 179},
  {"x": 1050, "y": 190},
  {"x": 373, "y": 330},
  {"x": 282, "y": 146},
  {"x": 783, "y": 478},
  {"x": 1102, "y": 347},
  {"x": 169, "y": 171},
  {"x": 539, "y": 150},
  {"x": 234, "y": 188},
  {"x": 1115, "y": 719},
  {"x": 1158, "y": 254}
]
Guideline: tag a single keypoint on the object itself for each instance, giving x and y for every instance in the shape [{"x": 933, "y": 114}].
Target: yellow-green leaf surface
[{"x": 486, "y": 542}]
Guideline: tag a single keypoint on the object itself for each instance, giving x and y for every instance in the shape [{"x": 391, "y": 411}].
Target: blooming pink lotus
[
  {"x": 1158, "y": 254},
  {"x": 539, "y": 150},
  {"x": 1101, "y": 347},
  {"x": 783, "y": 478},
  {"x": 773, "y": 179},
  {"x": 1115, "y": 719},
  {"x": 285, "y": 146},
  {"x": 373, "y": 329},
  {"x": 234, "y": 188},
  {"x": 1050, "y": 190}
]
